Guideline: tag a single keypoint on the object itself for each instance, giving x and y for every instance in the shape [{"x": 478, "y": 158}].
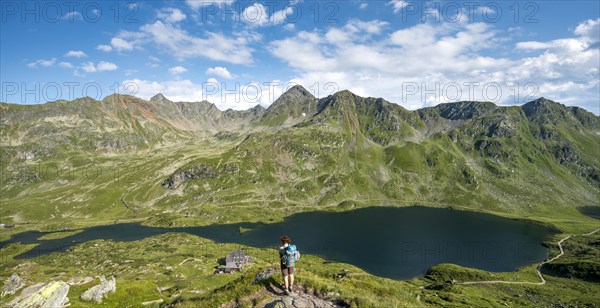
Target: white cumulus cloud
[
  {"x": 65, "y": 65},
  {"x": 72, "y": 16},
  {"x": 106, "y": 48},
  {"x": 219, "y": 72},
  {"x": 121, "y": 44},
  {"x": 257, "y": 15},
  {"x": 106, "y": 66},
  {"x": 196, "y": 4},
  {"x": 88, "y": 67},
  {"x": 176, "y": 70},
  {"x": 182, "y": 44},
  {"x": 532, "y": 45},
  {"x": 589, "y": 29},
  {"x": 102, "y": 66},
  {"x": 398, "y": 5},
  {"x": 42, "y": 62},
  {"x": 174, "y": 40},
  {"x": 171, "y": 15},
  {"x": 370, "y": 27},
  {"x": 75, "y": 54}
]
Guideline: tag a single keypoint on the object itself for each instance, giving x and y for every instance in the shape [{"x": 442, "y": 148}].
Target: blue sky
[{"x": 415, "y": 54}]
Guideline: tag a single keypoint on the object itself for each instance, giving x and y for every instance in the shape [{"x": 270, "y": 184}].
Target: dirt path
[
  {"x": 539, "y": 267},
  {"x": 122, "y": 199}
]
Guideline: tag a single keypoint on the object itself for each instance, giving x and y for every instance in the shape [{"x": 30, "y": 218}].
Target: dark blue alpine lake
[{"x": 399, "y": 243}]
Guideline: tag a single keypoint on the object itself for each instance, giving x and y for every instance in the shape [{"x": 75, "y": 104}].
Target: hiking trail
[{"x": 538, "y": 268}]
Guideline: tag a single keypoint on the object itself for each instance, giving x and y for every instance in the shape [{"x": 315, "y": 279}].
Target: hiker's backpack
[{"x": 292, "y": 255}]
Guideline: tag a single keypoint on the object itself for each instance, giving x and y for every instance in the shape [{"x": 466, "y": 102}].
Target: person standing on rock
[{"x": 287, "y": 254}]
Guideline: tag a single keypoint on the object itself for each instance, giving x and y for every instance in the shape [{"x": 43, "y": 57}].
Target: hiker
[{"x": 288, "y": 260}]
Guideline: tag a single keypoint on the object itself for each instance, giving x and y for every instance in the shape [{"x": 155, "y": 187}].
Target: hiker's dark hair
[{"x": 285, "y": 239}]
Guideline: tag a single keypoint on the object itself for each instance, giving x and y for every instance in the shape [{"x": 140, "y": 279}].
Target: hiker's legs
[
  {"x": 291, "y": 280},
  {"x": 286, "y": 281}
]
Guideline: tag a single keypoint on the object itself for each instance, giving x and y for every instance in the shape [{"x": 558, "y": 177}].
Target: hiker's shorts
[{"x": 287, "y": 270}]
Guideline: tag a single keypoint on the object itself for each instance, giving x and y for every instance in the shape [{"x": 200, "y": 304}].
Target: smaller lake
[{"x": 398, "y": 243}]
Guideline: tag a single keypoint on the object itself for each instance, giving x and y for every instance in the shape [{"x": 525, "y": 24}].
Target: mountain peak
[
  {"x": 290, "y": 108},
  {"x": 542, "y": 100},
  {"x": 546, "y": 111},
  {"x": 340, "y": 98},
  {"x": 115, "y": 97},
  {"x": 258, "y": 107},
  {"x": 158, "y": 98},
  {"x": 541, "y": 106},
  {"x": 296, "y": 92},
  {"x": 294, "y": 95},
  {"x": 345, "y": 93}
]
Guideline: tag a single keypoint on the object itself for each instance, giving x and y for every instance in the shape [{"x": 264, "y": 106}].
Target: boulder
[
  {"x": 264, "y": 274},
  {"x": 154, "y": 302},
  {"x": 301, "y": 301},
  {"x": 97, "y": 292},
  {"x": 12, "y": 285},
  {"x": 53, "y": 294},
  {"x": 75, "y": 281},
  {"x": 32, "y": 289}
]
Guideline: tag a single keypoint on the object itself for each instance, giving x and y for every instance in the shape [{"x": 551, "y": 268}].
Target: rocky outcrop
[
  {"x": 565, "y": 154},
  {"x": 464, "y": 110},
  {"x": 197, "y": 172},
  {"x": 302, "y": 300},
  {"x": 97, "y": 293},
  {"x": 264, "y": 275},
  {"x": 12, "y": 285},
  {"x": 53, "y": 294}
]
